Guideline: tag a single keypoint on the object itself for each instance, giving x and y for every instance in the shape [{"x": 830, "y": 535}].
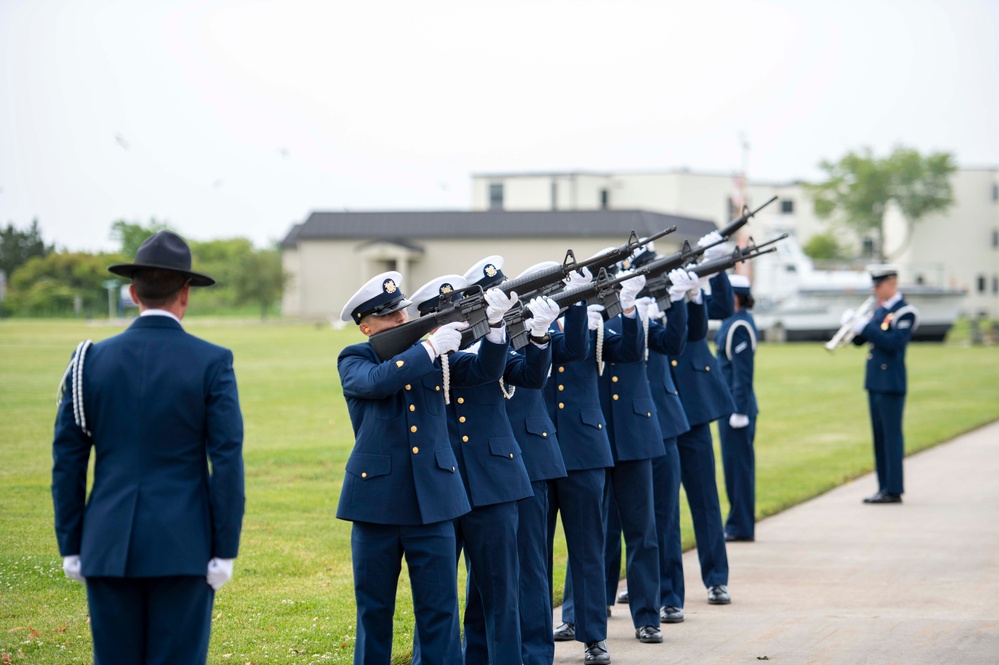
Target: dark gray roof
[{"x": 404, "y": 227}]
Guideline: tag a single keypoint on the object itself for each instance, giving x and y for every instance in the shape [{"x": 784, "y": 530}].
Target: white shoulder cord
[
  {"x": 645, "y": 329},
  {"x": 75, "y": 372},
  {"x": 446, "y": 371},
  {"x": 600, "y": 347},
  {"x": 513, "y": 389}
]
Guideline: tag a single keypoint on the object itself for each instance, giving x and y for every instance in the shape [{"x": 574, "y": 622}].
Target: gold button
[
  {"x": 600, "y": 426},
  {"x": 884, "y": 366},
  {"x": 412, "y": 407},
  {"x": 614, "y": 397},
  {"x": 707, "y": 368},
  {"x": 676, "y": 392},
  {"x": 511, "y": 455},
  {"x": 561, "y": 369},
  {"x": 649, "y": 414},
  {"x": 561, "y": 387},
  {"x": 673, "y": 363},
  {"x": 461, "y": 400},
  {"x": 415, "y": 450},
  {"x": 870, "y": 356},
  {"x": 409, "y": 387},
  {"x": 452, "y": 468},
  {"x": 437, "y": 388},
  {"x": 462, "y": 419},
  {"x": 364, "y": 474},
  {"x": 545, "y": 434},
  {"x": 614, "y": 379},
  {"x": 413, "y": 429},
  {"x": 465, "y": 438},
  {"x": 561, "y": 405}
]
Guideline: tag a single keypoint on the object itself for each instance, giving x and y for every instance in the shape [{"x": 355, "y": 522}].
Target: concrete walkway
[{"x": 836, "y": 581}]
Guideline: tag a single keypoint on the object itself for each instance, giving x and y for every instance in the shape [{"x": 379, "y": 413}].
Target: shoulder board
[{"x": 900, "y": 323}]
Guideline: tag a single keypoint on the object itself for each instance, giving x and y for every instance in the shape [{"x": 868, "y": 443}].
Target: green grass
[{"x": 291, "y": 600}]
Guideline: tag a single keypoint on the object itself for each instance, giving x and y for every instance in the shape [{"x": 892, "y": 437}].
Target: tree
[
  {"x": 60, "y": 283},
  {"x": 131, "y": 235},
  {"x": 260, "y": 279},
  {"x": 859, "y": 188},
  {"x": 824, "y": 247},
  {"x": 17, "y": 247}
]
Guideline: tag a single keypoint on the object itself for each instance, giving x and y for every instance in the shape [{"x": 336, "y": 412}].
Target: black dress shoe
[
  {"x": 718, "y": 595},
  {"x": 623, "y": 596},
  {"x": 565, "y": 633},
  {"x": 872, "y": 498},
  {"x": 729, "y": 538},
  {"x": 884, "y": 497},
  {"x": 596, "y": 652},
  {"x": 649, "y": 635},
  {"x": 670, "y": 614}
]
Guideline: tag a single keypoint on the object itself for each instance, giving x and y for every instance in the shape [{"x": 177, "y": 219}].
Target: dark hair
[
  {"x": 745, "y": 302},
  {"x": 157, "y": 288}
]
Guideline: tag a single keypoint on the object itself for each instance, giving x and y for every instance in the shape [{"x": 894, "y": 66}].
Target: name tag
[{"x": 741, "y": 347}]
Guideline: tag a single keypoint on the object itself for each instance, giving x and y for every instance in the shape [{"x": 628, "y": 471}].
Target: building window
[
  {"x": 920, "y": 279},
  {"x": 787, "y": 207},
  {"x": 868, "y": 247},
  {"x": 995, "y": 284},
  {"x": 981, "y": 284},
  {"x": 604, "y": 199},
  {"x": 995, "y": 238},
  {"x": 496, "y": 196},
  {"x": 554, "y": 194},
  {"x": 995, "y": 191}
]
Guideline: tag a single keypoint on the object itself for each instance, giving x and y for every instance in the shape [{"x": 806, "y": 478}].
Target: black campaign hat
[{"x": 164, "y": 250}]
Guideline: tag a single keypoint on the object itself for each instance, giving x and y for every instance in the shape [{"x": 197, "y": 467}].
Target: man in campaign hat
[
  {"x": 159, "y": 533},
  {"x": 402, "y": 488},
  {"x": 888, "y": 331}
]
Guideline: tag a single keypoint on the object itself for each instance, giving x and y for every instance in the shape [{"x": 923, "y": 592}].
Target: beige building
[
  {"x": 958, "y": 249},
  {"x": 330, "y": 255}
]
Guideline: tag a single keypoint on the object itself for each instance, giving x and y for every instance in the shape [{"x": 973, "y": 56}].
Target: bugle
[{"x": 845, "y": 333}]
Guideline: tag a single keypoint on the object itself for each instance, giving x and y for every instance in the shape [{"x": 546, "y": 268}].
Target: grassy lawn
[{"x": 291, "y": 600}]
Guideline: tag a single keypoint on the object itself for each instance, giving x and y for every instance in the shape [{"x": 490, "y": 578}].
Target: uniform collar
[
  {"x": 894, "y": 300},
  {"x": 159, "y": 312}
]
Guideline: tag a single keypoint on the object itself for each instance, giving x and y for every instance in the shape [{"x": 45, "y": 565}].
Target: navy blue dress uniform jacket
[
  {"x": 668, "y": 340},
  {"x": 402, "y": 469},
  {"x": 482, "y": 436},
  {"x": 736, "y": 345},
  {"x": 888, "y": 332},
  {"x": 160, "y": 404},
  {"x": 702, "y": 389},
  {"x": 632, "y": 421},
  {"x": 573, "y": 398}
]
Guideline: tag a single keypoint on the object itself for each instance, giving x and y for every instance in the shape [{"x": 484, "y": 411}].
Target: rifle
[
  {"x": 471, "y": 305},
  {"x": 602, "y": 290}
]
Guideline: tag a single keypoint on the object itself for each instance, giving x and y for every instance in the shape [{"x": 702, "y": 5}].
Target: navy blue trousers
[
  {"x": 377, "y": 551},
  {"x": 666, "y": 494},
  {"x": 739, "y": 464},
  {"x": 492, "y": 598},
  {"x": 150, "y": 620},
  {"x": 889, "y": 446},
  {"x": 697, "y": 470},
  {"x": 579, "y": 499},
  {"x": 535, "y": 595}
]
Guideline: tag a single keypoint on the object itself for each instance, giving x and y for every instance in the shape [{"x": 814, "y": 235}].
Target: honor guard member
[
  {"x": 666, "y": 334},
  {"x": 705, "y": 398},
  {"x": 573, "y": 399},
  {"x": 633, "y": 430},
  {"x": 542, "y": 457},
  {"x": 735, "y": 344},
  {"x": 160, "y": 531},
  {"x": 493, "y": 472},
  {"x": 402, "y": 488},
  {"x": 888, "y": 331}
]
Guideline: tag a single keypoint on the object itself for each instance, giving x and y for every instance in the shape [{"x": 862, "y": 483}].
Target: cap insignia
[{"x": 490, "y": 270}]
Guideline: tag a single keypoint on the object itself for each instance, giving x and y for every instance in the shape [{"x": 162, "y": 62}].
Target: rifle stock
[{"x": 470, "y": 307}]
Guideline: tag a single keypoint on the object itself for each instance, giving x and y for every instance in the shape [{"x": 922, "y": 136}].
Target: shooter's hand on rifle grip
[
  {"x": 629, "y": 291},
  {"x": 498, "y": 304},
  {"x": 447, "y": 338},
  {"x": 544, "y": 310}
]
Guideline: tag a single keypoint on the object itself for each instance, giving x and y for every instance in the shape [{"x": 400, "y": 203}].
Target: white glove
[
  {"x": 695, "y": 292},
  {"x": 593, "y": 313},
  {"x": 498, "y": 304},
  {"x": 859, "y": 325},
  {"x": 629, "y": 291},
  {"x": 717, "y": 251},
  {"x": 738, "y": 420},
  {"x": 575, "y": 279},
  {"x": 219, "y": 572},
  {"x": 653, "y": 311},
  {"x": 642, "y": 307},
  {"x": 544, "y": 310},
  {"x": 681, "y": 281},
  {"x": 71, "y": 566},
  {"x": 847, "y": 315},
  {"x": 447, "y": 338}
]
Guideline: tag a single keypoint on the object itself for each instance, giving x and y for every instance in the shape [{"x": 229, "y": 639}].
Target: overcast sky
[{"x": 238, "y": 118}]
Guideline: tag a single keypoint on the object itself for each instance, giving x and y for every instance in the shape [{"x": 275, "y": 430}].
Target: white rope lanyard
[
  {"x": 446, "y": 372},
  {"x": 75, "y": 373},
  {"x": 600, "y": 347},
  {"x": 513, "y": 389}
]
